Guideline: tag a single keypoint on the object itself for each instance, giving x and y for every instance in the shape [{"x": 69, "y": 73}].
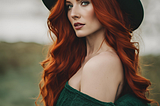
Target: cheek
[
  {"x": 69, "y": 17},
  {"x": 92, "y": 19},
  {"x": 89, "y": 14}
]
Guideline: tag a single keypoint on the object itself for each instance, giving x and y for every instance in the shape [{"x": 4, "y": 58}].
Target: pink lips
[{"x": 78, "y": 25}]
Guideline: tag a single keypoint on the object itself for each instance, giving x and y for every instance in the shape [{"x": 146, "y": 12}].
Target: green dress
[{"x": 72, "y": 97}]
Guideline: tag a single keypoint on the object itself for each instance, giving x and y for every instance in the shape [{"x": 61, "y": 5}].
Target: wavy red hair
[{"x": 68, "y": 51}]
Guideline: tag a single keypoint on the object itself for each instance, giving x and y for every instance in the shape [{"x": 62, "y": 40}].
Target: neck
[{"x": 96, "y": 42}]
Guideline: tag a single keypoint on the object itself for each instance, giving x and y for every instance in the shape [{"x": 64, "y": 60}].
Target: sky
[{"x": 25, "y": 20}]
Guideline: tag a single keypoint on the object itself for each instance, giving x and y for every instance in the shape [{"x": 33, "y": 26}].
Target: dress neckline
[{"x": 73, "y": 90}]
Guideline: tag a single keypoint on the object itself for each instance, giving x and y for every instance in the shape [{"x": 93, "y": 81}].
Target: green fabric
[{"x": 72, "y": 97}]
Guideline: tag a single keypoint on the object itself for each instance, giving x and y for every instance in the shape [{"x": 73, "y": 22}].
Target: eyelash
[
  {"x": 85, "y": 2},
  {"x": 81, "y": 4}
]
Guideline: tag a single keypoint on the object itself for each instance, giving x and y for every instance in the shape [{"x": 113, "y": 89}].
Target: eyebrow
[{"x": 70, "y": 2}]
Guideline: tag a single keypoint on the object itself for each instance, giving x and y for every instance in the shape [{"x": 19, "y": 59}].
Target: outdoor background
[{"x": 24, "y": 43}]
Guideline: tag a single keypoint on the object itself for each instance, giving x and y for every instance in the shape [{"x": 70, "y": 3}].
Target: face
[{"x": 82, "y": 17}]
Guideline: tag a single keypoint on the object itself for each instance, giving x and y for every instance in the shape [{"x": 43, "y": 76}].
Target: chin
[{"x": 80, "y": 35}]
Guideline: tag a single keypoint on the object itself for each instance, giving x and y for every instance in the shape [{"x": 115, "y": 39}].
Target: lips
[{"x": 78, "y": 25}]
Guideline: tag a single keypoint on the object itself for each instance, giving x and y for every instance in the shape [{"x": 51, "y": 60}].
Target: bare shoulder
[
  {"x": 101, "y": 76},
  {"x": 104, "y": 60}
]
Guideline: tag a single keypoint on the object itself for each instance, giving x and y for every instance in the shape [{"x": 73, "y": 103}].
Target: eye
[
  {"x": 69, "y": 6},
  {"x": 84, "y": 3}
]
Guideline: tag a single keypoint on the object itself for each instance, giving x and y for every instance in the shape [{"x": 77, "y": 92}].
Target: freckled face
[{"x": 82, "y": 17}]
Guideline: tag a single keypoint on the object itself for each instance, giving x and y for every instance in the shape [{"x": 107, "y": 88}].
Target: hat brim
[
  {"x": 133, "y": 8},
  {"x": 49, "y": 3},
  {"x": 135, "y": 11}
]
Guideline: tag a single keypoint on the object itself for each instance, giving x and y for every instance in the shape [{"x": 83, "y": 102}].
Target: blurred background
[{"x": 24, "y": 42}]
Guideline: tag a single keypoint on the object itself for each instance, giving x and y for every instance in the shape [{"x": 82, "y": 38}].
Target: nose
[{"x": 75, "y": 14}]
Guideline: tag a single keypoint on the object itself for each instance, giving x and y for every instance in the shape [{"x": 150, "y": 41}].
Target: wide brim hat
[{"x": 133, "y": 8}]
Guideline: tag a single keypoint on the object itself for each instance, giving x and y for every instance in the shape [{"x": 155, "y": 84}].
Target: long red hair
[{"x": 68, "y": 51}]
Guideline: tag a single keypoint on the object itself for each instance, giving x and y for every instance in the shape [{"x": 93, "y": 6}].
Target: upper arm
[{"x": 101, "y": 77}]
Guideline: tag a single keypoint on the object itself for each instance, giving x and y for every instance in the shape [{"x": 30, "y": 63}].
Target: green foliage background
[{"x": 20, "y": 73}]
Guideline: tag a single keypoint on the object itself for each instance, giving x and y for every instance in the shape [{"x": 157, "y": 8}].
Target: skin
[{"x": 101, "y": 72}]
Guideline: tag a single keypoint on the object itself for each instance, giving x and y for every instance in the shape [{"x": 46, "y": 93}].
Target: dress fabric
[{"x": 72, "y": 97}]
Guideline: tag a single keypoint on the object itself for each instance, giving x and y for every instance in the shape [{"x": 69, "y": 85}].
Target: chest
[{"x": 75, "y": 80}]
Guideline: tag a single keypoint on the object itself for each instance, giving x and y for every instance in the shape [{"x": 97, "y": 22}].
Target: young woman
[{"x": 93, "y": 61}]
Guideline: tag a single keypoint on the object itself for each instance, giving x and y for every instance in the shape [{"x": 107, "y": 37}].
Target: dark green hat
[{"x": 133, "y": 8}]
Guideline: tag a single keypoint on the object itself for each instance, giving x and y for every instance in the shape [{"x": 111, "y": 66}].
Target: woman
[{"x": 93, "y": 61}]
